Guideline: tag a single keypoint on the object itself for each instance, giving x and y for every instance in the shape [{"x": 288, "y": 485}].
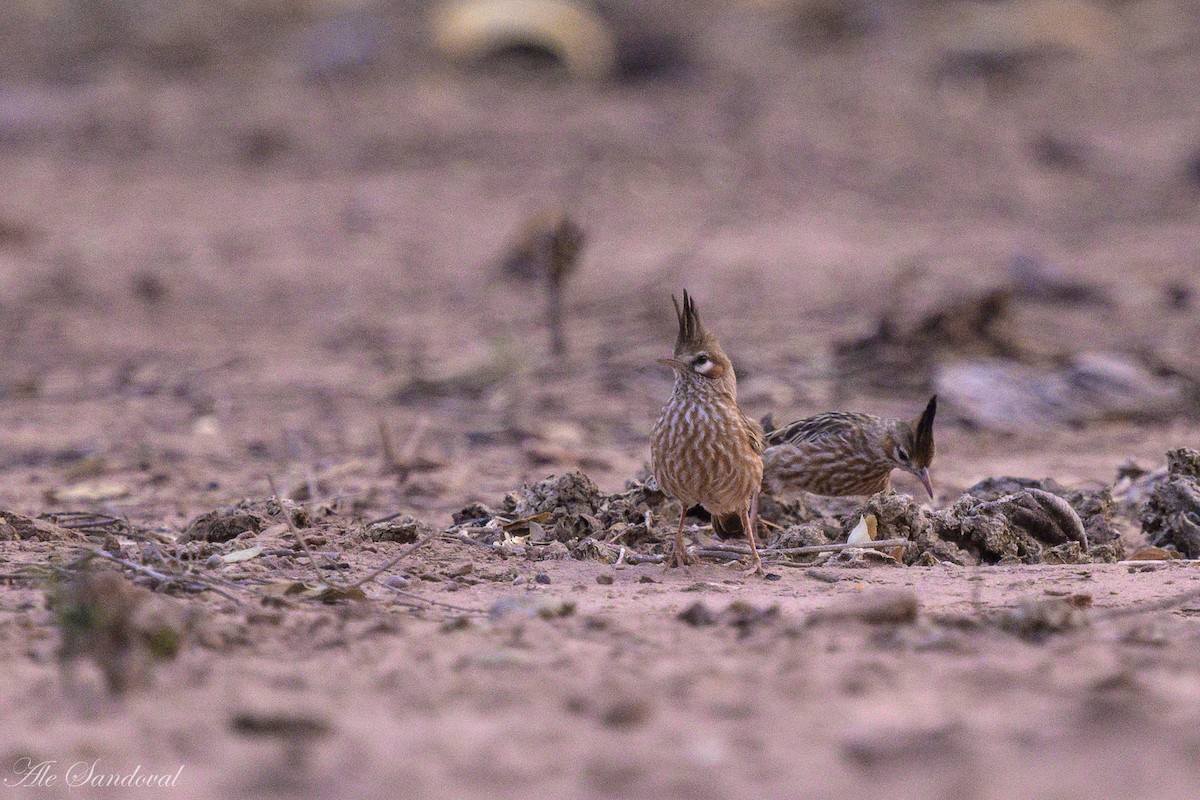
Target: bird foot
[
  {"x": 679, "y": 558},
  {"x": 755, "y": 568}
]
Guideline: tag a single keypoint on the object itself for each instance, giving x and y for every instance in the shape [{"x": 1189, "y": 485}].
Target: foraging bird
[
  {"x": 841, "y": 453},
  {"x": 705, "y": 450}
]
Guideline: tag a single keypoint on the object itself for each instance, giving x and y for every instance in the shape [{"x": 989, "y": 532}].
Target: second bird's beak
[
  {"x": 673, "y": 363},
  {"x": 923, "y": 474}
]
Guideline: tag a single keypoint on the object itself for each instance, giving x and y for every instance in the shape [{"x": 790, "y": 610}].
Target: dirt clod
[
  {"x": 223, "y": 525},
  {"x": 15, "y": 527},
  {"x": 403, "y": 529},
  {"x": 1172, "y": 514}
]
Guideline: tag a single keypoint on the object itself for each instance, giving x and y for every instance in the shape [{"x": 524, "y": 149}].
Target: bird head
[
  {"x": 698, "y": 356},
  {"x": 912, "y": 445}
]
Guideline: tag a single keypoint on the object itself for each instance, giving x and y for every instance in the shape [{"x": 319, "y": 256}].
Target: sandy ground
[{"x": 207, "y": 281}]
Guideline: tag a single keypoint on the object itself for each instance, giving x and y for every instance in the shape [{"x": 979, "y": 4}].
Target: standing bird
[
  {"x": 705, "y": 450},
  {"x": 841, "y": 453}
]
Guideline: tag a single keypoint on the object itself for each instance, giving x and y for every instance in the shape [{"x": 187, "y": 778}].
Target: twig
[
  {"x": 287, "y": 517},
  {"x": 441, "y": 603},
  {"x": 799, "y": 551},
  {"x": 196, "y": 583}
]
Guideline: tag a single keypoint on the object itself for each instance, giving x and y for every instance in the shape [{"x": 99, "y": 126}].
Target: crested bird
[
  {"x": 842, "y": 453},
  {"x": 705, "y": 450}
]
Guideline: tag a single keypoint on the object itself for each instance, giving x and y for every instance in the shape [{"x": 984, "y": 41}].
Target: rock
[{"x": 1172, "y": 514}]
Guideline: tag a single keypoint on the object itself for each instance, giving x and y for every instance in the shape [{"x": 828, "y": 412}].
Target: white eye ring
[{"x": 702, "y": 364}]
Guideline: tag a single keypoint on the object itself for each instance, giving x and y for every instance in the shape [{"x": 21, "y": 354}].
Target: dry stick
[
  {"x": 419, "y": 543},
  {"x": 441, "y": 603},
  {"x": 160, "y": 576},
  {"x": 799, "y": 551},
  {"x": 287, "y": 517},
  {"x": 390, "y": 462}
]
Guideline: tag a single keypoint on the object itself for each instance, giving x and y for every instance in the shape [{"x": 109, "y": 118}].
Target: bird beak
[
  {"x": 923, "y": 474},
  {"x": 673, "y": 363}
]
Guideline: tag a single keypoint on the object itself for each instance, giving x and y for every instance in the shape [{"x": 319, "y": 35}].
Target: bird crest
[
  {"x": 692, "y": 335},
  {"x": 923, "y": 440}
]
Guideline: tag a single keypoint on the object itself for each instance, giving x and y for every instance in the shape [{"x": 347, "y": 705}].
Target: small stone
[
  {"x": 213, "y": 561},
  {"x": 520, "y": 579},
  {"x": 396, "y": 582},
  {"x": 604, "y": 579},
  {"x": 646, "y": 579},
  {"x": 542, "y": 577}
]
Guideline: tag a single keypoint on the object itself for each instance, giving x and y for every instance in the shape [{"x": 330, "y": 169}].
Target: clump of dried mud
[
  {"x": 1002, "y": 520},
  {"x": 1172, "y": 514}
]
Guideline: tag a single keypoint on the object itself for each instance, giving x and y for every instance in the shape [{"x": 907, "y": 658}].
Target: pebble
[
  {"x": 542, "y": 577},
  {"x": 213, "y": 561},
  {"x": 604, "y": 579}
]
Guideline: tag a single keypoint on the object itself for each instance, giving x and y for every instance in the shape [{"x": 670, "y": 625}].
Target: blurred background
[{"x": 241, "y": 237}]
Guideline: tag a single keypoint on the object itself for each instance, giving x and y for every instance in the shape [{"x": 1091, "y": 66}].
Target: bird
[
  {"x": 705, "y": 451},
  {"x": 841, "y": 453}
]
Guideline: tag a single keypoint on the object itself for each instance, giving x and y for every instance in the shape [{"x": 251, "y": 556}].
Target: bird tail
[{"x": 728, "y": 526}]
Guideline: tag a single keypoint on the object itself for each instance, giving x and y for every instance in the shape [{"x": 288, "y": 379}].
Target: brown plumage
[
  {"x": 705, "y": 450},
  {"x": 842, "y": 453}
]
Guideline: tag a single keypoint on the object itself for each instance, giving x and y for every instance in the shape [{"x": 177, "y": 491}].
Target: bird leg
[
  {"x": 749, "y": 521},
  {"x": 680, "y": 557}
]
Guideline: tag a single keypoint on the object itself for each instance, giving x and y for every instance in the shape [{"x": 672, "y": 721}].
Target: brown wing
[
  {"x": 758, "y": 440},
  {"x": 828, "y": 427}
]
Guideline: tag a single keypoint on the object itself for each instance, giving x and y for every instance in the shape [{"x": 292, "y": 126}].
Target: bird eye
[
  {"x": 700, "y": 361},
  {"x": 902, "y": 454}
]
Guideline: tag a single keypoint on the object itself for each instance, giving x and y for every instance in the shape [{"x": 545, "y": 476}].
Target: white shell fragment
[{"x": 468, "y": 30}]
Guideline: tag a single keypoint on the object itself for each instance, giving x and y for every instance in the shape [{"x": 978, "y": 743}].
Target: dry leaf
[
  {"x": 241, "y": 555},
  {"x": 88, "y": 492}
]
